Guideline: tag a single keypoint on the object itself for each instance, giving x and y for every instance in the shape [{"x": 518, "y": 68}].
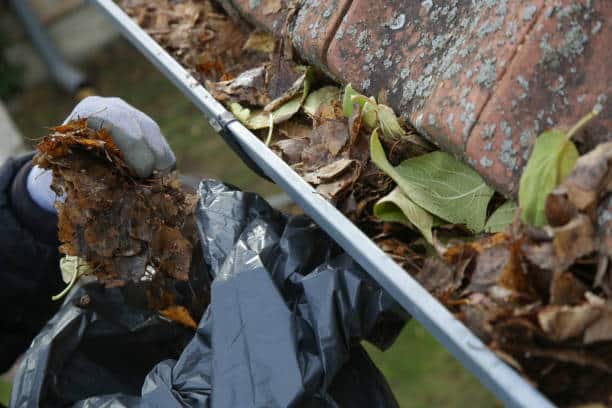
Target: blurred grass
[
  {"x": 423, "y": 374},
  {"x": 5, "y": 392},
  {"x": 420, "y": 371}
]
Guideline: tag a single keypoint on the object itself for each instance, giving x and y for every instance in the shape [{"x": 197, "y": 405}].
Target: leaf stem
[
  {"x": 581, "y": 123},
  {"x": 270, "y": 129},
  {"x": 67, "y": 288}
]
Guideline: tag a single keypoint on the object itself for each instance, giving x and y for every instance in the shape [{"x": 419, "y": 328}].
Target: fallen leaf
[
  {"x": 397, "y": 207},
  {"x": 389, "y": 125},
  {"x": 558, "y": 208},
  {"x": 552, "y": 159},
  {"x": 290, "y": 150},
  {"x": 502, "y": 217},
  {"x": 572, "y": 241},
  {"x": 329, "y": 172},
  {"x": 180, "y": 315},
  {"x": 260, "y": 41},
  {"x": 320, "y": 98},
  {"x": 566, "y": 289},
  {"x": 248, "y": 87},
  {"x": 368, "y": 106},
  {"x": 440, "y": 184},
  {"x": 591, "y": 178},
  {"x": 439, "y": 278},
  {"x": 565, "y": 322}
]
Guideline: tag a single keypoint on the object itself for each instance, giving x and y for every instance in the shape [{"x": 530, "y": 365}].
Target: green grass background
[{"x": 420, "y": 371}]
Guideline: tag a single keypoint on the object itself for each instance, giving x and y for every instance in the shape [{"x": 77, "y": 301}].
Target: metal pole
[{"x": 69, "y": 78}]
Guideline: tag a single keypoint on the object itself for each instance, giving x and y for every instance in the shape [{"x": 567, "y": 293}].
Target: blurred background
[{"x": 420, "y": 371}]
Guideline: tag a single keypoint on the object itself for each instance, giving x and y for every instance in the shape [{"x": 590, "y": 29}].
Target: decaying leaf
[
  {"x": 125, "y": 230},
  {"x": 591, "y": 178},
  {"x": 248, "y": 87},
  {"x": 439, "y": 278},
  {"x": 321, "y": 98}
]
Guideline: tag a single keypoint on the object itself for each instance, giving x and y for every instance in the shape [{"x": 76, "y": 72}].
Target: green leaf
[
  {"x": 502, "y": 217},
  {"x": 347, "y": 102},
  {"x": 440, "y": 184},
  {"x": 242, "y": 114},
  {"x": 368, "y": 105},
  {"x": 396, "y": 207},
  {"x": 389, "y": 124},
  {"x": 369, "y": 113},
  {"x": 552, "y": 159},
  {"x": 323, "y": 96}
]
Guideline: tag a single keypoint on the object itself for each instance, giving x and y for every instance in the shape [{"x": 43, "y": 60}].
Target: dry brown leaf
[
  {"x": 565, "y": 322},
  {"x": 591, "y": 177},
  {"x": 179, "y": 314},
  {"x": 260, "y": 41}
]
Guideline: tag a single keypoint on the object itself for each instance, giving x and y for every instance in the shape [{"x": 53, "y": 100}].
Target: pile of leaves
[
  {"x": 198, "y": 34},
  {"x": 532, "y": 279},
  {"x": 540, "y": 297},
  {"x": 122, "y": 229}
]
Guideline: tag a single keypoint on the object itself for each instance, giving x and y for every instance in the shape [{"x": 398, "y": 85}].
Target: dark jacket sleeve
[{"x": 29, "y": 262}]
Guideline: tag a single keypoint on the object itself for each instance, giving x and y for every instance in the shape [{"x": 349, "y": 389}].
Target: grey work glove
[{"x": 144, "y": 147}]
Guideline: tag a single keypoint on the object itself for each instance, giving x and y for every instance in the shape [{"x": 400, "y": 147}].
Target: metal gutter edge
[{"x": 512, "y": 389}]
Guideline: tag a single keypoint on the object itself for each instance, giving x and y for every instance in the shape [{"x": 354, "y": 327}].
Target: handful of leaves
[{"x": 123, "y": 230}]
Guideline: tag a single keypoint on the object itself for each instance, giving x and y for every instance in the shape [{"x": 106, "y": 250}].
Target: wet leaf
[
  {"x": 502, "y": 217},
  {"x": 127, "y": 230},
  {"x": 397, "y": 207},
  {"x": 440, "y": 184},
  {"x": 566, "y": 289}
]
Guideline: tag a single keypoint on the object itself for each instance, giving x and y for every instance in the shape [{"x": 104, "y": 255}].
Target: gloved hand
[{"x": 144, "y": 147}]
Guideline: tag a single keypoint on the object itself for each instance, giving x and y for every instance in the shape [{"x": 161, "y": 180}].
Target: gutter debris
[{"x": 538, "y": 294}]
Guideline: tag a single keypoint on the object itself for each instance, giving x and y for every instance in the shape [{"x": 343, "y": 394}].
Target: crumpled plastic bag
[{"x": 288, "y": 309}]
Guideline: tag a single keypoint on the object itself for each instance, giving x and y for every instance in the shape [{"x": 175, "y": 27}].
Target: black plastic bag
[{"x": 287, "y": 312}]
